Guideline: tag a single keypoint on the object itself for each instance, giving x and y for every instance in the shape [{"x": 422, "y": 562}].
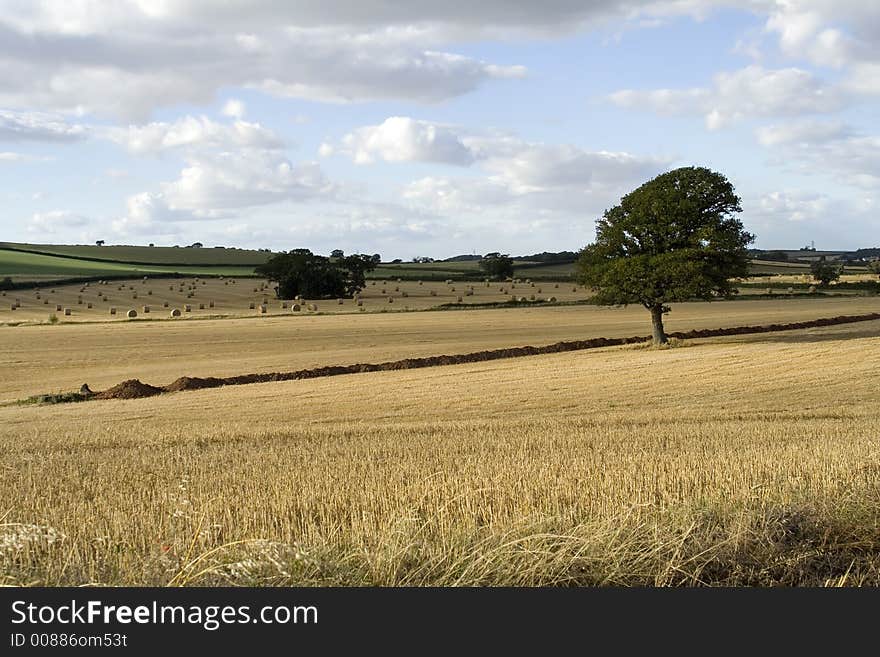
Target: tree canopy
[
  {"x": 824, "y": 272},
  {"x": 497, "y": 265},
  {"x": 301, "y": 272},
  {"x": 675, "y": 238}
]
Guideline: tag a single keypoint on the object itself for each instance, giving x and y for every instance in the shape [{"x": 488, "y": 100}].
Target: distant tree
[
  {"x": 99, "y": 242},
  {"x": 337, "y": 253},
  {"x": 396, "y": 261},
  {"x": 874, "y": 267},
  {"x": 195, "y": 245},
  {"x": 376, "y": 258},
  {"x": 422, "y": 259},
  {"x": 6, "y": 283},
  {"x": 496, "y": 265},
  {"x": 151, "y": 244},
  {"x": 825, "y": 272},
  {"x": 674, "y": 238},
  {"x": 301, "y": 272}
]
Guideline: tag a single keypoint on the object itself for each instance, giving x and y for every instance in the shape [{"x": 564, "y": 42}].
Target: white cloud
[
  {"x": 37, "y": 126},
  {"x": 51, "y": 222},
  {"x": 826, "y": 148},
  {"x": 194, "y": 132},
  {"x": 7, "y": 156},
  {"x": 234, "y": 108},
  {"x": 402, "y": 139},
  {"x": 749, "y": 92}
]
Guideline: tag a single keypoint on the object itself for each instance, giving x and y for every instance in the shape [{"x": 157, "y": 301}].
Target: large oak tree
[{"x": 675, "y": 238}]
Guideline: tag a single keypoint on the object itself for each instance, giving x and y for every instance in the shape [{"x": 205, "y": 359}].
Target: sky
[{"x": 430, "y": 129}]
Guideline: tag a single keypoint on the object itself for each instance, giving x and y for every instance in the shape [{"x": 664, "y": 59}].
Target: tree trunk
[{"x": 657, "y": 325}]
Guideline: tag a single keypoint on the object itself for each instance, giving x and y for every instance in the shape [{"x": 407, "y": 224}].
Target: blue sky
[{"x": 430, "y": 130}]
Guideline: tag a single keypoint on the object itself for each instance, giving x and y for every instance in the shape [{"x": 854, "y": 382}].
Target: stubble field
[{"x": 739, "y": 460}]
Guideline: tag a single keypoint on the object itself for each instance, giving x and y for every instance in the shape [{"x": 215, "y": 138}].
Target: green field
[
  {"x": 148, "y": 255},
  {"x": 20, "y": 266}
]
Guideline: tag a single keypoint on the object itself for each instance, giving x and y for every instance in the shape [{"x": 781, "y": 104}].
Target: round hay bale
[
  {"x": 165, "y": 304},
  {"x": 68, "y": 312},
  {"x": 12, "y": 306},
  {"x": 58, "y": 307},
  {"x": 552, "y": 299},
  {"x": 812, "y": 289},
  {"x": 556, "y": 285},
  {"x": 45, "y": 302},
  {"x": 539, "y": 290},
  {"x": 146, "y": 310},
  {"x": 420, "y": 282},
  {"x": 433, "y": 293},
  {"x": 360, "y": 302},
  {"x": 251, "y": 305},
  {"x": 149, "y": 293},
  {"x": 113, "y": 311},
  {"x": 201, "y": 306},
  {"x": 263, "y": 309},
  {"x": 404, "y": 294},
  {"x": 452, "y": 289},
  {"x": 531, "y": 297},
  {"x": 362, "y": 309},
  {"x": 341, "y": 302},
  {"x": 79, "y": 300},
  {"x": 89, "y": 304},
  {"x": 460, "y": 299},
  {"x": 313, "y": 307},
  {"x": 134, "y": 296},
  {"x": 175, "y": 312},
  {"x": 187, "y": 308},
  {"x": 283, "y": 305},
  {"x": 769, "y": 290},
  {"x": 390, "y": 299},
  {"x": 295, "y": 308},
  {"x": 131, "y": 314}
]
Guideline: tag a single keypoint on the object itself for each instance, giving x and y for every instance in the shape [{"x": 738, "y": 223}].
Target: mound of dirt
[
  {"x": 131, "y": 389},
  {"x": 194, "y": 383}
]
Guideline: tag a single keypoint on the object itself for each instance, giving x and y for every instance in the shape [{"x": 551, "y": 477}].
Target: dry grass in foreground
[{"x": 751, "y": 460}]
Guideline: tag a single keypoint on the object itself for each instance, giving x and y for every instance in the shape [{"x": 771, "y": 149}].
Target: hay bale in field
[
  {"x": 360, "y": 302},
  {"x": 539, "y": 290},
  {"x": 433, "y": 293},
  {"x": 390, "y": 299},
  {"x": 449, "y": 281},
  {"x": 769, "y": 290},
  {"x": 149, "y": 293},
  {"x": 383, "y": 290},
  {"x": 552, "y": 299},
  {"x": 79, "y": 300},
  {"x": 295, "y": 308},
  {"x": 89, "y": 304},
  {"x": 341, "y": 302},
  {"x": 452, "y": 289},
  {"x": 460, "y": 299},
  {"x": 187, "y": 308},
  {"x": 263, "y": 309},
  {"x": 68, "y": 312},
  {"x": 574, "y": 289},
  {"x": 146, "y": 310},
  {"x": 812, "y": 289},
  {"x": 397, "y": 288},
  {"x": 165, "y": 304},
  {"x": 420, "y": 282},
  {"x": 251, "y": 305},
  {"x": 58, "y": 307},
  {"x": 12, "y": 306},
  {"x": 469, "y": 293},
  {"x": 45, "y": 302},
  {"x": 113, "y": 311},
  {"x": 404, "y": 294},
  {"x": 131, "y": 314},
  {"x": 171, "y": 288},
  {"x": 312, "y": 307},
  {"x": 531, "y": 297},
  {"x": 201, "y": 306},
  {"x": 556, "y": 285},
  {"x": 283, "y": 305},
  {"x": 791, "y": 290},
  {"x": 175, "y": 312},
  {"x": 134, "y": 296}
]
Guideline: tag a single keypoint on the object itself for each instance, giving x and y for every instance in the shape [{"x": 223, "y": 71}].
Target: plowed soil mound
[{"x": 131, "y": 389}]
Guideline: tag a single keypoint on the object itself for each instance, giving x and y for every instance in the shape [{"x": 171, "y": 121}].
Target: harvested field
[
  {"x": 40, "y": 359},
  {"x": 736, "y": 460}
]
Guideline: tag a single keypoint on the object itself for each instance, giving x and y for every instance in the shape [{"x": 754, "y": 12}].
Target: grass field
[
  {"x": 749, "y": 460},
  {"x": 148, "y": 255},
  {"x": 19, "y": 265}
]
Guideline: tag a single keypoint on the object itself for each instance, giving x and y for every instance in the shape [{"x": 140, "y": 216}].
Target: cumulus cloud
[
  {"x": 37, "y": 126},
  {"x": 220, "y": 185},
  {"x": 193, "y": 132},
  {"x": 749, "y": 92},
  {"x": 402, "y": 139},
  {"x": 234, "y": 108},
  {"x": 826, "y": 148},
  {"x": 51, "y": 222}
]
